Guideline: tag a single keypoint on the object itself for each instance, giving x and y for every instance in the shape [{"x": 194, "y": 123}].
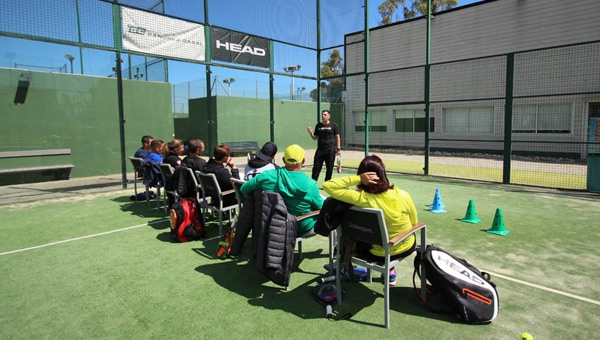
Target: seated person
[
  {"x": 193, "y": 160},
  {"x": 156, "y": 148},
  {"x": 172, "y": 151},
  {"x": 299, "y": 192},
  {"x": 263, "y": 161},
  {"x": 216, "y": 165},
  {"x": 145, "y": 149},
  {"x": 375, "y": 191}
]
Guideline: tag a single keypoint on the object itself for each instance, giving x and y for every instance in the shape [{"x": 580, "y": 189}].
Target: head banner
[{"x": 239, "y": 48}]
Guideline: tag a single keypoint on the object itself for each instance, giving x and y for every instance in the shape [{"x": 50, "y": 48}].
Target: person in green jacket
[
  {"x": 375, "y": 191},
  {"x": 299, "y": 192}
]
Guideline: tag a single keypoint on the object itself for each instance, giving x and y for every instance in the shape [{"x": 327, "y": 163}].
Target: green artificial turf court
[{"x": 129, "y": 281}]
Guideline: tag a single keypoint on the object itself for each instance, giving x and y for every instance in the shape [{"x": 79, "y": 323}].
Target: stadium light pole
[
  {"x": 300, "y": 90},
  {"x": 291, "y": 69},
  {"x": 229, "y": 81},
  {"x": 70, "y": 57}
]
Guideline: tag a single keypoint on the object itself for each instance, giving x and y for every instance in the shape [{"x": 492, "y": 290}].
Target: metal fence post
[{"x": 508, "y": 107}]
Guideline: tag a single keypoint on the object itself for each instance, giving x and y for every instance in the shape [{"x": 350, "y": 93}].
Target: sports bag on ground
[
  {"x": 469, "y": 293},
  {"x": 186, "y": 225}
]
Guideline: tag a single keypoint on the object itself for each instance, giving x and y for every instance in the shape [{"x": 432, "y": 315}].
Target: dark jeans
[{"x": 327, "y": 156}]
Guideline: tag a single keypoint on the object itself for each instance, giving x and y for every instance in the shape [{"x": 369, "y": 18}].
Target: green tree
[
  {"x": 419, "y": 7},
  {"x": 331, "y": 92},
  {"x": 387, "y": 10},
  {"x": 411, "y": 8}
]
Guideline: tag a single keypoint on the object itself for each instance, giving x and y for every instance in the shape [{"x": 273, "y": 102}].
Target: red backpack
[{"x": 185, "y": 224}]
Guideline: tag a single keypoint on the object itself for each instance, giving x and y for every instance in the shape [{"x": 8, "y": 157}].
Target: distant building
[{"x": 556, "y": 91}]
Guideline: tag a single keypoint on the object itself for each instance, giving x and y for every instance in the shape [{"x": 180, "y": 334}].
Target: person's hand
[
  {"x": 309, "y": 129},
  {"x": 369, "y": 178},
  {"x": 230, "y": 163},
  {"x": 338, "y": 152}
]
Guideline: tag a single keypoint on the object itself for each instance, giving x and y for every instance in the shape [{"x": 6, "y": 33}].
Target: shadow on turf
[
  {"x": 141, "y": 208},
  {"x": 241, "y": 277}
]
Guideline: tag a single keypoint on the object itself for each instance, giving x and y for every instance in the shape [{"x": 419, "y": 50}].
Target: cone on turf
[
  {"x": 498, "y": 224},
  {"x": 437, "y": 194},
  {"x": 471, "y": 215},
  {"x": 437, "y": 207}
]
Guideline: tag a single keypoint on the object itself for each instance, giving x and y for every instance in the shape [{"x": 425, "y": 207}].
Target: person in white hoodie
[{"x": 263, "y": 161}]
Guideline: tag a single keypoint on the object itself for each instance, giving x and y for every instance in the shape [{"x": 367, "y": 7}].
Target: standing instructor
[{"x": 328, "y": 145}]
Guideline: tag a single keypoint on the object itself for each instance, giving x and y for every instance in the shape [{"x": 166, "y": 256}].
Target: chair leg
[
  {"x": 202, "y": 211},
  {"x": 157, "y": 197},
  {"x": 300, "y": 248},
  {"x": 332, "y": 237},
  {"x": 386, "y": 302},
  {"x": 422, "y": 255},
  {"x": 220, "y": 223},
  {"x": 147, "y": 196},
  {"x": 135, "y": 186},
  {"x": 338, "y": 276}
]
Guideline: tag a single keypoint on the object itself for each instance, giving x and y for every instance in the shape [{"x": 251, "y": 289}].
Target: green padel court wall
[
  {"x": 246, "y": 119},
  {"x": 63, "y": 111}
]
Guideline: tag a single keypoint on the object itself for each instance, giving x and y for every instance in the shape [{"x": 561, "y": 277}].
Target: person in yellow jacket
[{"x": 374, "y": 190}]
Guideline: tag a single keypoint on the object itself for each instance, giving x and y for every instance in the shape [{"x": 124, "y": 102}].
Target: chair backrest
[
  {"x": 166, "y": 169},
  {"x": 366, "y": 225},
  {"x": 209, "y": 184},
  {"x": 138, "y": 164},
  {"x": 237, "y": 186},
  {"x": 193, "y": 177},
  {"x": 167, "y": 172}
]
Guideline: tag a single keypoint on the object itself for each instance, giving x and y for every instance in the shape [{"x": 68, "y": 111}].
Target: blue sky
[{"x": 290, "y": 21}]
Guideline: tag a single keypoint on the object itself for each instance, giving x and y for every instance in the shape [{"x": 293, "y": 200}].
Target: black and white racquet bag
[{"x": 458, "y": 286}]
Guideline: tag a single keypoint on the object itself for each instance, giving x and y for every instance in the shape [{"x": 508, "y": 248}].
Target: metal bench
[
  {"x": 37, "y": 173},
  {"x": 240, "y": 148},
  {"x": 34, "y": 153}
]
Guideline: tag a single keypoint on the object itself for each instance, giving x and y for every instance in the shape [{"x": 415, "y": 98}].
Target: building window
[
  {"x": 378, "y": 121},
  {"x": 411, "y": 121},
  {"x": 542, "y": 118},
  {"x": 468, "y": 120}
]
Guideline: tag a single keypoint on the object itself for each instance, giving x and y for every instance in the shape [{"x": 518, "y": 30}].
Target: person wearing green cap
[{"x": 299, "y": 192}]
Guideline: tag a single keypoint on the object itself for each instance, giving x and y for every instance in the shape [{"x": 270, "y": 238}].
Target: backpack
[
  {"x": 468, "y": 293},
  {"x": 185, "y": 224}
]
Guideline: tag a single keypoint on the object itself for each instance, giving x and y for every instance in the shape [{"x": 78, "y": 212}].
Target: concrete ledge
[{"x": 34, "y": 153}]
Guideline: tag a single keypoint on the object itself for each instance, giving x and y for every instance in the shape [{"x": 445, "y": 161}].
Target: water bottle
[
  {"x": 327, "y": 279},
  {"x": 328, "y": 312}
]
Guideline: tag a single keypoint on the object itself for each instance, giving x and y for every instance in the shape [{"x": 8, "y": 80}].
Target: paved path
[{"x": 22, "y": 193}]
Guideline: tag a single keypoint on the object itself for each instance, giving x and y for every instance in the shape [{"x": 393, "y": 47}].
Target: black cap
[{"x": 267, "y": 152}]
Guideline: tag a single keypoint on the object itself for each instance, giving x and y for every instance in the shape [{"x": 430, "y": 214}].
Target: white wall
[{"x": 492, "y": 29}]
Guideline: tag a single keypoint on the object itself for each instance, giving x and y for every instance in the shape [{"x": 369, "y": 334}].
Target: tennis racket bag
[
  {"x": 186, "y": 225},
  {"x": 468, "y": 293}
]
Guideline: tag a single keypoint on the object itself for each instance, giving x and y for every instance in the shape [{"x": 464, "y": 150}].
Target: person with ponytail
[
  {"x": 374, "y": 190},
  {"x": 172, "y": 152}
]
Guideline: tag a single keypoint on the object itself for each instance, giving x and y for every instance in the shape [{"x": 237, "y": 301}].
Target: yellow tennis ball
[{"x": 526, "y": 336}]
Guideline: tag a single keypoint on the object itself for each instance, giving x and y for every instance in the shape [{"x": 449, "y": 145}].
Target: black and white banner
[
  {"x": 156, "y": 34},
  {"x": 239, "y": 48}
]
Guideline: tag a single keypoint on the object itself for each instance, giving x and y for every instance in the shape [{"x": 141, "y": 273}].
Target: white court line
[
  {"x": 577, "y": 297},
  {"x": 81, "y": 238}
]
